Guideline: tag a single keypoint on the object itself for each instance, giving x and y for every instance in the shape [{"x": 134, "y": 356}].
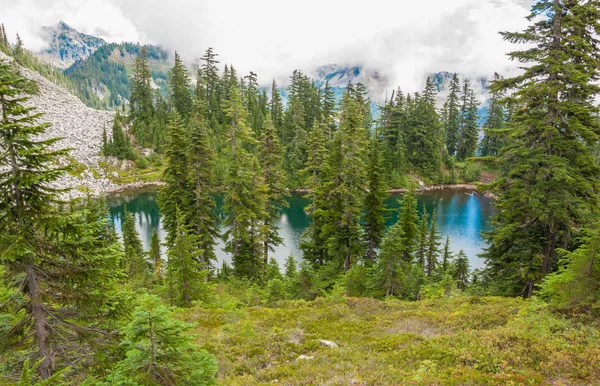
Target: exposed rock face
[
  {"x": 67, "y": 45},
  {"x": 80, "y": 127}
]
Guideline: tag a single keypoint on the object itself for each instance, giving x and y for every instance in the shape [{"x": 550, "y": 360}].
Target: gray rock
[
  {"x": 305, "y": 357},
  {"x": 328, "y": 343},
  {"x": 80, "y": 128}
]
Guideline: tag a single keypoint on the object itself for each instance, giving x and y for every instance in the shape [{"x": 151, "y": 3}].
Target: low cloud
[{"x": 402, "y": 40}]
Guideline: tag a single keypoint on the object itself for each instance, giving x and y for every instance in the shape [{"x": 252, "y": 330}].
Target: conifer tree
[
  {"x": 119, "y": 145},
  {"x": 291, "y": 270},
  {"x": 576, "y": 283},
  {"x": 446, "y": 256},
  {"x": 141, "y": 99},
  {"x": 425, "y": 140},
  {"x": 200, "y": 212},
  {"x": 4, "y": 43},
  {"x": 176, "y": 192},
  {"x": 348, "y": 180},
  {"x": 328, "y": 110},
  {"x": 469, "y": 126},
  {"x": 276, "y": 108},
  {"x": 273, "y": 271},
  {"x": 273, "y": 176},
  {"x": 494, "y": 128},
  {"x": 155, "y": 256},
  {"x": 185, "y": 274},
  {"x": 389, "y": 273},
  {"x": 48, "y": 255},
  {"x": 433, "y": 247},
  {"x": 395, "y": 131},
  {"x": 19, "y": 51},
  {"x": 313, "y": 244},
  {"x": 452, "y": 116},
  {"x": 461, "y": 270},
  {"x": 245, "y": 196},
  {"x": 181, "y": 97},
  {"x": 550, "y": 180},
  {"x": 160, "y": 350},
  {"x": 135, "y": 264},
  {"x": 374, "y": 200},
  {"x": 421, "y": 252},
  {"x": 408, "y": 219},
  {"x": 209, "y": 79}
]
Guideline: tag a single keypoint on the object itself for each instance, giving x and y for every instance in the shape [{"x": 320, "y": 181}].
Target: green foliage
[
  {"x": 461, "y": 271},
  {"x": 469, "y": 126},
  {"x": 185, "y": 277},
  {"x": 576, "y": 284},
  {"x": 61, "y": 265},
  {"x": 134, "y": 262},
  {"x": 390, "y": 271},
  {"x": 494, "y": 133},
  {"x": 374, "y": 218},
  {"x": 549, "y": 183},
  {"x": 451, "y": 116},
  {"x": 160, "y": 350},
  {"x": 181, "y": 96},
  {"x": 246, "y": 195},
  {"x": 119, "y": 144}
]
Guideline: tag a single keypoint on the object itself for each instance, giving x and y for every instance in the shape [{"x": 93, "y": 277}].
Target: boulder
[{"x": 328, "y": 343}]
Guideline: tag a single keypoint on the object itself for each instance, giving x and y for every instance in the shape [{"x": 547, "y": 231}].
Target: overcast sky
[{"x": 402, "y": 39}]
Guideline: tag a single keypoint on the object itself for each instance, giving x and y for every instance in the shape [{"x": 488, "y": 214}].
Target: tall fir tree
[
  {"x": 433, "y": 247},
  {"x": 201, "y": 210},
  {"x": 348, "y": 180},
  {"x": 549, "y": 183},
  {"x": 273, "y": 176},
  {"x": 421, "y": 251},
  {"x": 576, "y": 283},
  {"x": 181, "y": 96},
  {"x": 134, "y": 261},
  {"x": 160, "y": 350},
  {"x": 176, "y": 191},
  {"x": 328, "y": 110},
  {"x": 185, "y": 274},
  {"x": 276, "y": 108},
  {"x": 452, "y": 116},
  {"x": 446, "y": 256},
  {"x": 246, "y": 194},
  {"x": 155, "y": 257},
  {"x": 462, "y": 270},
  {"x": 141, "y": 101},
  {"x": 313, "y": 244},
  {"x": 374, "y": 218},
  {"x": 425, "y": 139},
  {"x": 409, "y": 219},
  {"x": 389, "y": 273},
  {"x": 494, "y": 128},
  {"x": 48, "y": 255},
  {"x": 469, "y": 126}
]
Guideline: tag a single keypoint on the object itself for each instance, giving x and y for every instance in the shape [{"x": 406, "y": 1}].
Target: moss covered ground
[{"x": 452, "y": 341}]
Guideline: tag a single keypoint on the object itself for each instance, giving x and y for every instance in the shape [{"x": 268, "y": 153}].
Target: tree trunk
[
  {"x": 39, "y": 320},
  {"x": 371, "y": 249}
]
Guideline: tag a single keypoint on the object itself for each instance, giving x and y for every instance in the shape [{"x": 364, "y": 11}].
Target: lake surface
[{"x": 461, "y": 214}]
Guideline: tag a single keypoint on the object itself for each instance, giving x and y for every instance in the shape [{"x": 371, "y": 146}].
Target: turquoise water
[{"x": 461, "y": 214}]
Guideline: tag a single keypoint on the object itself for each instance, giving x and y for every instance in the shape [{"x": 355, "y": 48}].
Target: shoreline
[
  {"x": 143, "y": 186},
  {"x": 133, "y": 187}
]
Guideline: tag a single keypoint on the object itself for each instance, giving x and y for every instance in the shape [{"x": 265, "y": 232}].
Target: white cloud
[{"x": 403, "y": 39}]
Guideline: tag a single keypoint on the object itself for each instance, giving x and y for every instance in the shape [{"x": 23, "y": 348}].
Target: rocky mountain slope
[
  {"x": 66, "y": 45},
  {"x": 81, "y": 128}
]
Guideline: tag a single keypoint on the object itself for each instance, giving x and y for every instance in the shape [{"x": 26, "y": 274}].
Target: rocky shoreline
[{"x": 429, "y": 188}]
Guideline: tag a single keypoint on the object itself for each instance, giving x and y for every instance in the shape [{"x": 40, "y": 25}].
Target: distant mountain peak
[{"x": 66, "y": 45}]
